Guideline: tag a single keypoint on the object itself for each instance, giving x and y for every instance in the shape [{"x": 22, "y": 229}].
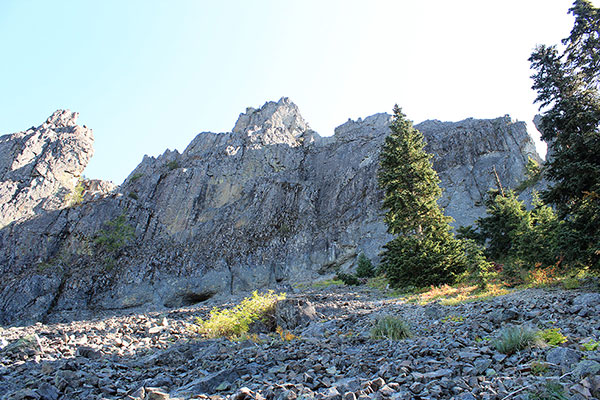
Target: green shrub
[
  {"x": 479, "y": 270},
  {"x": 571, "y": 283},
  {"x": 115, "y": 236},
  {"x": 348, "y": 279},
  {"x": 76, "y": 195},
  {"x": 505, "y": 221},
  {"x": 390, "y": 327},
  {"x": 514, "y": 338},
  {"x": 519, "y": 238},
  {"x": 365, "y": 268},
  {"x": 435, "y": 258},
  {"x": 552, "y": 336},
  {"x": 234, "y": 322},
  {"x": 172, "y": 165},
  {"x": 135, "y": 177}
]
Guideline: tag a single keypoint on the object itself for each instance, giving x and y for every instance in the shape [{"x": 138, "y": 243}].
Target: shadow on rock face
[{"x": 187, "y": 299}]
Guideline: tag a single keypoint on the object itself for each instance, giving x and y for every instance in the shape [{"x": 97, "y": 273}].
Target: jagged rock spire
[
  {"x": 40, "y": 167},
  {"x": 274, "y": 123}
]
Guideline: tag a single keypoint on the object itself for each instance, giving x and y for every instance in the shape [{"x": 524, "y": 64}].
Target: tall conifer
[
  {"x": 567, "y": 85},
  {"x": 424, "y": 251}
]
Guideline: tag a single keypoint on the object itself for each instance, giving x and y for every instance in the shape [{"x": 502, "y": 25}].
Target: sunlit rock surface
[{"x": 271, "y": 202}]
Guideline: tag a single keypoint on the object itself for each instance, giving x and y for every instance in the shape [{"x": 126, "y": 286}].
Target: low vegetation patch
[
  {"x": 550, "y": 391},
  {"x": 327, "y": 282},
  {"x": 171, "y": 165},
  {"x": 285, "y": 335},
  {"x": 453, "y": 318},
  {"x": 515, "y": 338},
  {"x": 457, "y": 294},
  {"x": 115, "y": 235},
  {"x": 234, "y": 322},
  {"x": 379, "y": 282},
  {"x": 135, "y": 177},
  {"x": 543, "y": 276},
  {"x": 571, "y": 283},
  {"x": 390, "y": 327},
  {"x": 539, "y": 367},
  {"x": 590, "y": 345},
  {"x": 552, "y": 336}
]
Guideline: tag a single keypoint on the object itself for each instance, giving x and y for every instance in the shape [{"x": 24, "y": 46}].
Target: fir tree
[
  {"x": 515, "y": 235},
  {"x": 567, "y": 85},
  {"x": 424, "y": 251},
  {"x": 506, "y": 221},
  {"x": 365, "y": 267}
]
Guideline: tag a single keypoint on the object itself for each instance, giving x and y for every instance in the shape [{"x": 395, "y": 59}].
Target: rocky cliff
[
  {"x": 270, "y": 202},
  {"x": 41, "y": 166}
]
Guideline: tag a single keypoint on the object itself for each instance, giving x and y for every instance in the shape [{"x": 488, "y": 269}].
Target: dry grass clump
[{"x": 453, "y": 295}]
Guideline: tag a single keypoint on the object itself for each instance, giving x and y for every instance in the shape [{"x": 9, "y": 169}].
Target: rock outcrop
[
  {"x": 41, "y": 166},
  {"x": 271, "y": 202}
]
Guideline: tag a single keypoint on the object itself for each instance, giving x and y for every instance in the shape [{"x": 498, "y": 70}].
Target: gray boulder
[
  {"x": 563, "y": 356},
  {"x": 294, "y": 313}
]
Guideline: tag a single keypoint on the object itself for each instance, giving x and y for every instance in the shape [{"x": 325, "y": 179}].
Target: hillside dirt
[{"x": 331, "y": 354}]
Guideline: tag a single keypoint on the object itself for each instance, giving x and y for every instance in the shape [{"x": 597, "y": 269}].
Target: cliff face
[
  {"x": 270, "y": 202},
  {"x": 40, "y": 167}
]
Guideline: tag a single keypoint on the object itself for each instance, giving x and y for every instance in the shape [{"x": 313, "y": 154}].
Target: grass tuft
[
  {"x": 539, "y": 368},
  {"x": 550, "y": 391},
  {"x": 390, "y": 327},
  {"x": 514, "y": 338}
]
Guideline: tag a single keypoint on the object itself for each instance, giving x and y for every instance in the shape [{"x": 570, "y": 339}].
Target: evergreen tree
[
  {"x": 365, "y": 268},
  {"x": 507, "y": 219},
  {"x": 515, "y": 235},
  {"x": 567, "y": 85},
  {"x": 424, "y": 251},
  {"x": 541, "y": 241}
]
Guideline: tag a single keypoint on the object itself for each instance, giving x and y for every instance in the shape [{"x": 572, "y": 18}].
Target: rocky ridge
[
  {"x": 41, "y": 166},
  {"x": 450, "y": 355},
  {"x": 268, "y": 203}
]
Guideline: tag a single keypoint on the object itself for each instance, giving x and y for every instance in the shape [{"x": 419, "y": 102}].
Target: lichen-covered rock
[{"x": 268, "y": 203}]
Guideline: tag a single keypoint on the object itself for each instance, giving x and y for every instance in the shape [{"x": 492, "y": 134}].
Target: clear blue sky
[{"x": 150, "y": 75}]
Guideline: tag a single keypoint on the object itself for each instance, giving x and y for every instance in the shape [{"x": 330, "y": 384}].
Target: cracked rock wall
[{"x": 270, "y": 202}]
